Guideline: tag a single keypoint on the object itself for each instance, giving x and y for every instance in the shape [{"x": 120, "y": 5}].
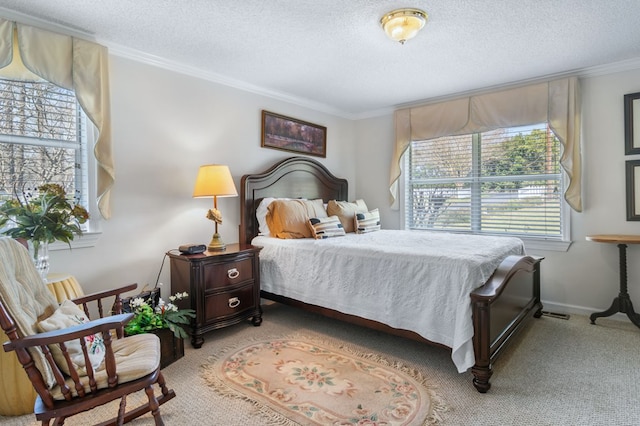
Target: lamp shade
[
  {"x": 214, "y": 180},
  {"x": 403, "y": 24}
]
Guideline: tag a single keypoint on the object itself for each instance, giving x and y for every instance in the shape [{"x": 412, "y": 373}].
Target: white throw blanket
[{"x": 413, "y": 280}]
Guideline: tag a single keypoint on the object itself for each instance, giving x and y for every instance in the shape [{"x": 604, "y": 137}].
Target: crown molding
[
  {"x": 160, "y": 62},
  {"x": 157, "y": 61}
]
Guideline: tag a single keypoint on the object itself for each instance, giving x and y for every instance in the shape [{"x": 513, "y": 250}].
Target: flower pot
[{"x": 171, "y": 347}]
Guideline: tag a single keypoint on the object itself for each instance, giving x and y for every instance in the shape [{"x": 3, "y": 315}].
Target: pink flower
[
  {"x": 405, "y": 389},
  {"x": 280, "y": 395},
  {"x": 401, "y": 411}
]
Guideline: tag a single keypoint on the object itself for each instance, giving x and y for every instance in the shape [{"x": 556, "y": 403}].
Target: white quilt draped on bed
[{"x": 418, "y": 281}]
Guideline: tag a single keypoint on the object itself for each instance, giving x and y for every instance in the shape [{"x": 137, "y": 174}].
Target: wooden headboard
[{"x": 295, "y": 177}]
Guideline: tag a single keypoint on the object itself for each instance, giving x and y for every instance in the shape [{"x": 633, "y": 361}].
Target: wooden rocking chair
[{"x": 69, "y": 368}]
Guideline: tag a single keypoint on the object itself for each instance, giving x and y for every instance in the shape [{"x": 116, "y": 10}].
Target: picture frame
[
  {"x": 633, "y": 189},
  {"x": 293, "y": 135},
  {"x": 631, "y": 123}
]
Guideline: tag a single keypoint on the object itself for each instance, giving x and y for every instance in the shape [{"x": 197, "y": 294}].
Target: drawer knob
[
  {"x": 233, "y": 273},
  {"x": 234, "y": 302}
]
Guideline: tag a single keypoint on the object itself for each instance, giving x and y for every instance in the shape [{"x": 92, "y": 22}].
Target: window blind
[
  {"x": 40, "y": 138},
  {"x": 504, "y": 181}
]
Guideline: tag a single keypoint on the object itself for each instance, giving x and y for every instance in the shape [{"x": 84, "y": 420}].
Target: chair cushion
[
  {"x": 136, "y": 356},
  {"x": 67, "y": 315},
  {"x": 25, "y": 296}
]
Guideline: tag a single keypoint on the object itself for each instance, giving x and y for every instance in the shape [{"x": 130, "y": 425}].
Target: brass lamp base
[{"x": 216, "y": 243}]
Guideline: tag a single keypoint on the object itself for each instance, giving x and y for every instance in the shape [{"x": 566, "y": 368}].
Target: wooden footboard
[{"x": 500, "y": 308}]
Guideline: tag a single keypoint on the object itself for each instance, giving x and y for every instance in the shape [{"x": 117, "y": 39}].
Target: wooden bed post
[
  {"x": 482, "y": 370},
  {"x": 523, "y": 274}
]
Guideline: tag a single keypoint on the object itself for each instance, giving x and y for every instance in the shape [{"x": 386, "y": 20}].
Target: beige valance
[
  {"x": 556, "y": 102},
  {"x": 32, "y": 54}
]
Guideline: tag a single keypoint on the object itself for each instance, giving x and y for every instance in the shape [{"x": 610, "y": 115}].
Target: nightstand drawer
[
  {"x": 228, "y": 273},
  {"x": 230, "y": 303}
]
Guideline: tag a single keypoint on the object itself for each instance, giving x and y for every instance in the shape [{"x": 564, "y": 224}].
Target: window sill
[
  {"x": 533, "y": 244},
  {"x": 87, "y": 239}
]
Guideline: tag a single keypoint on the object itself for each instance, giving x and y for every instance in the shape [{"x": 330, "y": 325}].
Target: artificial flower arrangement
[
  {"x": 42, "y": 216},
  {"x": 162, "y": 315}
]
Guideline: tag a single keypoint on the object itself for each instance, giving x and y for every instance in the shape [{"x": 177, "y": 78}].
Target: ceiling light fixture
[{"x": 403, "y": 24}]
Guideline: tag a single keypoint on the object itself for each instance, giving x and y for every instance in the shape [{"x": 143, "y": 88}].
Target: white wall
[
  {"x": 586, "y": 277},
  {"x": 165, "y": 125}
]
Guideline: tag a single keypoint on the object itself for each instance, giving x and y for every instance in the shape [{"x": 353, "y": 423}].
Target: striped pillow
[
  {"x": 325, "y": 227},
  {"x": 367, "y": 222}
]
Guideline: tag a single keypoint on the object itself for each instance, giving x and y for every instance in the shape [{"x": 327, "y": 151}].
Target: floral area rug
[{"x": 301, "y": 380}]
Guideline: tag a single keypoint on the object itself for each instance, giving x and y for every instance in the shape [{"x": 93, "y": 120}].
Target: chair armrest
[
  {"x": 103, "y": 294},
  {"x": 96, "y": 300},
  {"x": 102, "y": 325}
]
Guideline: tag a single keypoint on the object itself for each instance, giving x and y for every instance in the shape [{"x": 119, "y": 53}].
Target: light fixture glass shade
[
  {"x": 214, "y": 180},
  {"x": 403, "y": 24}
]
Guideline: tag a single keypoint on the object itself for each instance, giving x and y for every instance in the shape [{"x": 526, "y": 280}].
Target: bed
[{"x": 488, "y": 301}]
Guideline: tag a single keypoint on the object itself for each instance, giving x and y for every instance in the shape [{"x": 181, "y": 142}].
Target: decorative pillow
[
  {"x": 367, "y": 222},
  {"x": 288, "y": 218},
  {"x": 261, "y": 214},
  {"x": 325, "y": 227},
  {"x": 67, "y": 315},
  {"x": 346, "y": 212}
]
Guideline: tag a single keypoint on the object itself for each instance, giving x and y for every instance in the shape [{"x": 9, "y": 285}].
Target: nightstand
[{"x": 223, "y": 287}]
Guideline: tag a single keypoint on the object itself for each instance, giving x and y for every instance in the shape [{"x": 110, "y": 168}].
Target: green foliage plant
[
  {"x": 42, "y": 216},
  {"x": 164, "y": 315}
]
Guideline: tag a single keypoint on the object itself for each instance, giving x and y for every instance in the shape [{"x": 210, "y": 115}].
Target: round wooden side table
[{"x": 622, "y": 303}]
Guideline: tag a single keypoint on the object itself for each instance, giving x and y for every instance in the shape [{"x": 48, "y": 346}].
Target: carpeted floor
[{"x": 559, "y": 372}]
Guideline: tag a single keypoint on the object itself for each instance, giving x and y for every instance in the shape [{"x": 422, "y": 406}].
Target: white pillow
[{"x": 69, "y": 314}]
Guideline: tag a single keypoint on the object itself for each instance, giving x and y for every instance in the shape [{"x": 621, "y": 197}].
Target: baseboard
[{"x": 578, "y": 310}]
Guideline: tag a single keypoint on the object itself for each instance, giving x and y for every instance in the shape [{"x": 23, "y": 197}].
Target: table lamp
[{"x": 214, "y": 180}]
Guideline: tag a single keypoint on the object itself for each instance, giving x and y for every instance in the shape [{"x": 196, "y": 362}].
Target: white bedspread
[{"x": 418, "y": 281}]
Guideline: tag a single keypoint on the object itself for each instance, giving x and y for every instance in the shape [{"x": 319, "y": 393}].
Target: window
[
  {"x": 42, "y": 139},
  {"x": 502, "y": 182}
]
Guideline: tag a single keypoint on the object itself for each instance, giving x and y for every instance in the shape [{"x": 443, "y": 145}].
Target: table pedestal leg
[{"x": 622, "y": 303}]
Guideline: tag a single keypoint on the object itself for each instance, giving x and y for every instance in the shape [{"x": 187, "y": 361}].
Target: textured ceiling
[{"x": 332, "y": 55}]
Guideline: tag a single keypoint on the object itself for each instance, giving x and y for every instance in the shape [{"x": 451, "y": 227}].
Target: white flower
[
  {"x": 172, "y": 298},
  {"x": 137, "y": 302}
]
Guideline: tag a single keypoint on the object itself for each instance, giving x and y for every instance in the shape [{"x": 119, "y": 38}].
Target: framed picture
[
  {"x": 633, "y": 189},
  {"x": 290, "y": 134},
  {"x": 632, "y": 123}
]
